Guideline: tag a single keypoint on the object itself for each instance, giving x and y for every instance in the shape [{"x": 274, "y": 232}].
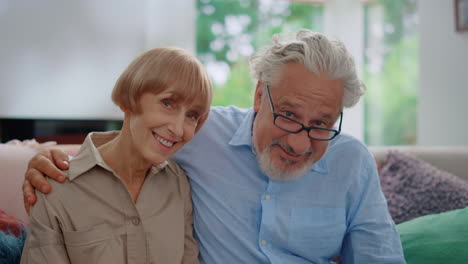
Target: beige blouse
[{"x": 91, "y": 218}]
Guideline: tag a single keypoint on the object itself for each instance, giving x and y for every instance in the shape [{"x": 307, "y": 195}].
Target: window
[
  {"x": 229, "y": 31},
  {"x": 391, "y": 68}
]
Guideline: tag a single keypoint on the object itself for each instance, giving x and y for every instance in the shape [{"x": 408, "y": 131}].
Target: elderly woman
[{"x": 124, "y": 201}]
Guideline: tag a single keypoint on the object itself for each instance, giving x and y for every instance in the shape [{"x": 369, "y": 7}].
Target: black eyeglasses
[{"x": 292, "y": 126}]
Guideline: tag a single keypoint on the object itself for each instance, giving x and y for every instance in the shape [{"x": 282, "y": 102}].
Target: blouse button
[{"x": 135, "y": 220}]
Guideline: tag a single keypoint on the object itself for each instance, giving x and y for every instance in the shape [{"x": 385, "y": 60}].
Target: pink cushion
[{"x": 13, "y": 163}]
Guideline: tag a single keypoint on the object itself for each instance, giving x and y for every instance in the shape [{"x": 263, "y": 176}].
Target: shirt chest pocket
[
  {"x": 94, "y": 245},
  {"x": 320, "y": 228}
]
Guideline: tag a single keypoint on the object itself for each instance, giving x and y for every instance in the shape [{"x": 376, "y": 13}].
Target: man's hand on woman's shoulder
[{"x": 47, "y": 163}]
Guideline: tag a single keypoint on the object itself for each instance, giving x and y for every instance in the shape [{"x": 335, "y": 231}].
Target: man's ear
[{"x": 258, "y": 96}]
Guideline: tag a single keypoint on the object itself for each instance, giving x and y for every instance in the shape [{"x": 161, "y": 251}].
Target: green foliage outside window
[
  {"x": 392, "y": 83},
  {"x": 229, "y": 31}
]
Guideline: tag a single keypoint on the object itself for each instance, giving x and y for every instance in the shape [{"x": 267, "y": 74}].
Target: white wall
[
  {"x": 443, "y": 103},
  {"x": 56, "y": 56}
]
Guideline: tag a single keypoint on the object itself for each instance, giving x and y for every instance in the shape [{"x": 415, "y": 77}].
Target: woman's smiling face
[{"x": 164, "y": 124}]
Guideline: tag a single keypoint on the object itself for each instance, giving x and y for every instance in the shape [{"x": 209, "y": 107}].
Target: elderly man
[{"x": 278, "y": 183}]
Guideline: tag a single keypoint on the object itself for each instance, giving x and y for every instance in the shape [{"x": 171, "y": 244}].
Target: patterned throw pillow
[
  {"x": 12, "y": 238},
  {"x": 11, "y": 247},
  {"x": 414, "y": 188},
  {"x": 11, "y": 224}
]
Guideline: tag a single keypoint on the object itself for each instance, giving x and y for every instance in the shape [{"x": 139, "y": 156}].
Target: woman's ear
[
  {"x": 124, "y": 109},
  {"x": 258, "y": 96}
]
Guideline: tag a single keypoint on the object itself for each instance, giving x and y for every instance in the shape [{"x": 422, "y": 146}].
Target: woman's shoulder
[
  {"x": 57, "y": 190},
  {"x": 61, "y": 191},
  {"x": 176, "y": 170}
]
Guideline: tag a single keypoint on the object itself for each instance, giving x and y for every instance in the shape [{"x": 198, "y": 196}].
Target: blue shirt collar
[{"x": 243, "y": 136}]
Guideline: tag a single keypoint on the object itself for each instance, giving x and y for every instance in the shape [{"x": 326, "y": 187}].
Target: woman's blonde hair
[{"x": 159, "y": 69}]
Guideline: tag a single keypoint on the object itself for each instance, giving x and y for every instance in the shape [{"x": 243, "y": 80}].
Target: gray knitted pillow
[{"x": 414, "y": 188}]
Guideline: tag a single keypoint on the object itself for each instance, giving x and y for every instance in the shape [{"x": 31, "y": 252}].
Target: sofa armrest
[
  {"x": 13, "y": 163},
  {"x": 14, "y": 160}
]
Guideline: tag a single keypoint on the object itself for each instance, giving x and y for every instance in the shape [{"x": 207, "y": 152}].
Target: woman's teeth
[{"x": 164, "y": 142}]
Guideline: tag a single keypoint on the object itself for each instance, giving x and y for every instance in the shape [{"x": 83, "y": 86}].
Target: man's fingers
[
  {"x": 41, "y": 166},
  {"x": 60, "y": 158},
  {"x": 37, "y": 180},
  {"x": 28, "y": 193},
  {"x": 26, "y": 207},
  {"x": 29, "y": 197}
]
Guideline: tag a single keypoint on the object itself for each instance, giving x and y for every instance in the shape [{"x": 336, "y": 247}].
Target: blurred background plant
[
  {"x": 391, "y": 69},
  {"x": 229, "y": 31}
]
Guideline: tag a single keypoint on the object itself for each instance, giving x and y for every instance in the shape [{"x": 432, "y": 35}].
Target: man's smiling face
[{"x": 313, "y": 100}]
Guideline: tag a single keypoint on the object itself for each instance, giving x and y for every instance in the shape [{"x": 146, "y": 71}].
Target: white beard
[{"x": 279, "y": 174}]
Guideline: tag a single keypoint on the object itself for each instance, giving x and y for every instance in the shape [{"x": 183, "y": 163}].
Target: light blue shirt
[{"x": 241, "y": 216}]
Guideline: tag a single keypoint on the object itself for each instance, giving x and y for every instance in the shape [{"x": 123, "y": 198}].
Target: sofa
[
  {"x": 451, "y": 162},
  {"x": 15, "y": 156}
]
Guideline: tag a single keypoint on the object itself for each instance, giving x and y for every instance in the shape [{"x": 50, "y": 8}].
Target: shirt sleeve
[
  {"x": 190, "y": 245},
  {"x": 372, "y": 236},
  {"x": 44, "y": 243}
]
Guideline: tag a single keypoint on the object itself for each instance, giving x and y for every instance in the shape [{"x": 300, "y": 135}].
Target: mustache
[{"x": 288, "y": 149}]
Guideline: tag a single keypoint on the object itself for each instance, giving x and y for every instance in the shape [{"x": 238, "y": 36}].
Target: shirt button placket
[
  {"x": 136, "y": 253},
  {"x": 267, "y": 224}
]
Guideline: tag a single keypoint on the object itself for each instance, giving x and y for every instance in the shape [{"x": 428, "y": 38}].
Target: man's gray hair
[{"x": 317, "y": 53}]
